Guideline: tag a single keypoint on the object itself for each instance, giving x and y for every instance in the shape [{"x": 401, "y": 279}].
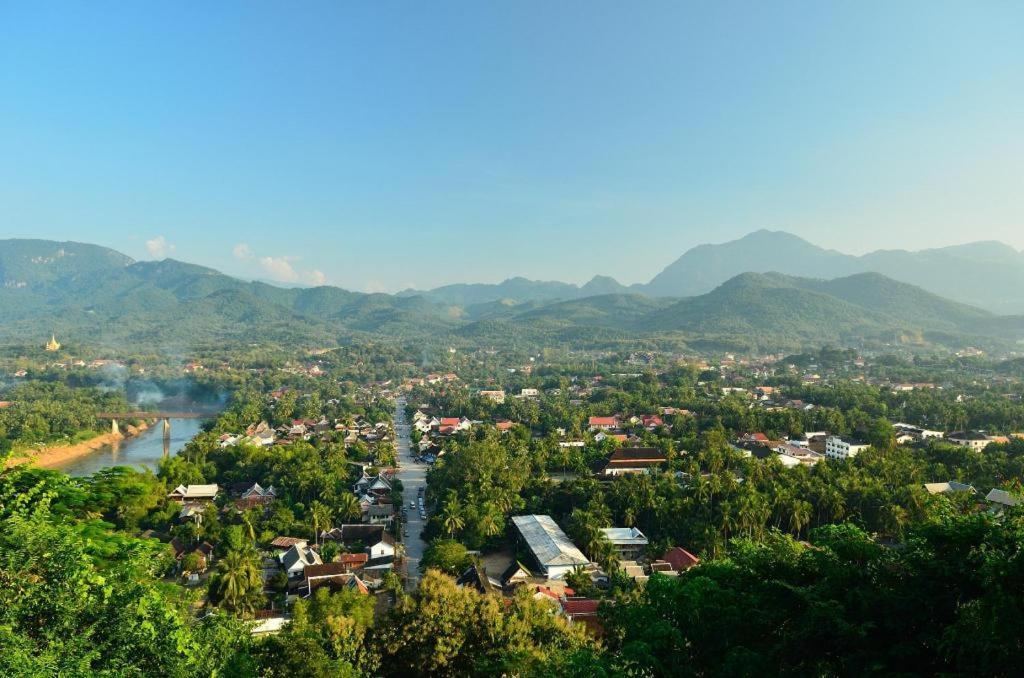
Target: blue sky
[{"x": 377, "y": 145}]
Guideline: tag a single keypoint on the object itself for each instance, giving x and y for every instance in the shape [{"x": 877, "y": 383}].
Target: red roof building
[
  {"x": 680, "y": 558},
  {"x": 603, "y": 422}
]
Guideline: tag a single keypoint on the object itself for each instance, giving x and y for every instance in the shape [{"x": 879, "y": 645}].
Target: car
[{"x": 412, "y": 504}]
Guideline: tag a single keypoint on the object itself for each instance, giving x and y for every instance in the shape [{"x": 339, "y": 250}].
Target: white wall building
[
  {"x": 843, "y": 448},
  {"x": 551, "y": 548}
]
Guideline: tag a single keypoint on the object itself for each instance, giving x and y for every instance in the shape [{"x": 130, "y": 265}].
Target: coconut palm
[
  {"x": 321, "y": 515},
  {"x": 348, "y": 507},
  {"x": 238, "y": 583},
  {"x": 451, "y": 516}
]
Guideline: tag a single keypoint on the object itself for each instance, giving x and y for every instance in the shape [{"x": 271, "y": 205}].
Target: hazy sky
[{"x": 377, "y": 144}]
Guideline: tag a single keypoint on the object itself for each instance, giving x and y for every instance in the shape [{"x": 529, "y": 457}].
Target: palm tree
[
  {"x": 321, "y": 515},
  {"x": 348, "y": 507},
  {"x": 238, "y": 581},
  {"x": 799, "y": 516},
  {"x": 489, "y": 524},
  {"x": 451, "y": 516}
]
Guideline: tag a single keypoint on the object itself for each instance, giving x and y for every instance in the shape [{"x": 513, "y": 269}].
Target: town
[{"x": 532, "y": 479}]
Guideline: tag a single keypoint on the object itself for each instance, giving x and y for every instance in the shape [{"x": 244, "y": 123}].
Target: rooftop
[{"x": 547, "y": 541}]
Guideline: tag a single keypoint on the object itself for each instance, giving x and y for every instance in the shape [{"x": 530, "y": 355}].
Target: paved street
[{"x": 413, "y": 475}]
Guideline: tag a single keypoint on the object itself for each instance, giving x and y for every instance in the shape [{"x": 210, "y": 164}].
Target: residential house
[
  {"x": 515, "y": 573},
  {"x": 297, "y": 558},
  {"x": 949, "y": 487},
  {"x": 1001, "y": 500},
  {"x": 603, "y": 423},
  {"x": 497, "y": 396},
  {"x": 337, "y": 576},
  {"x": 975, "y": 440},
  {"x": 475, "y": 577},
  {"x": 373, "y": 538},
  {"x": 680, "y": 559},
  {"x": 629, "y": 542}
]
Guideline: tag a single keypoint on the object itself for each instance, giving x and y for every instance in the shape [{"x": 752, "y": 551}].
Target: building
[
  {"x": 634, "y": 460},
  {"x": 338, "y": 576},
  {"x": 976, "y": 440},
  {"x": 1001, "y": 499},
  {"x": 949, "y": 488},
  {"x": 193, "y": 493},
  {"x": 603, "y": 423},
  {"x": 629, "y": 542},
  {"x": 552, "y": 551},
  {"x": 494, "y": 396},
  {"x": 52, "y": 346},
  {"x": 297, "y": 558},
  {"x": 374, "y": 539},
  {"x": 843, "y": 448},
  {"x": 680, "y": 559}
]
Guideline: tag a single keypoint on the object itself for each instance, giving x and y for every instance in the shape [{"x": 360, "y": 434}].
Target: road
[{"x": 413, "y": 475}]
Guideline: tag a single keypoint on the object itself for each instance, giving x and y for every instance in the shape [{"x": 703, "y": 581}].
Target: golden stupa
[{"x": 53, "y": 345}]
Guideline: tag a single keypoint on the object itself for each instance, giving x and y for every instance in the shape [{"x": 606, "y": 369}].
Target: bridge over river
[{"x": 166, "y": 416}]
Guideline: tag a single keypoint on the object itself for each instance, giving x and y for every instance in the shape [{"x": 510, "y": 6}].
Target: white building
[
  {"x": 629, "y": 542},
  {"x": 975, "y": 440},
  {"x": 552, "y": 550},
  {"x": 843, "y": 448}
]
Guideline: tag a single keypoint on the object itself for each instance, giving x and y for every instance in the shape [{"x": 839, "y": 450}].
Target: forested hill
[{"x": 101, "y": 296}]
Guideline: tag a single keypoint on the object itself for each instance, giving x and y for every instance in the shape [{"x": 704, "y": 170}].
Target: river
[{"x": 142, "y": 451}]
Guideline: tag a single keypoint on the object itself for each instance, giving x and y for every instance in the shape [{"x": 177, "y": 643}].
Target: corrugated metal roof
[{"x": 550, "y": 546}]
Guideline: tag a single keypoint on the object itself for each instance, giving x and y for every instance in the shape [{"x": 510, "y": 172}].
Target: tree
[
  {"x": 321, "y": 515},
  {"x": 446, "y": 555},
  {"x": 451, "y": 515},
  {"x": 348, "y": 507},
  {"x": 238, "y": 582}
]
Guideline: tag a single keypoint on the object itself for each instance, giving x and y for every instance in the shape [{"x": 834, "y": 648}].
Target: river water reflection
[{"x": 142, "y": 451}]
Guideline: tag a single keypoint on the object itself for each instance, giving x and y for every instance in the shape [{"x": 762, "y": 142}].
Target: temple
[{"x": 53, "y": 345}]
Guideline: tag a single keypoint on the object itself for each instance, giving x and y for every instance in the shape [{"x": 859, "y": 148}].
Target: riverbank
[{"x": 52, "y": 456}]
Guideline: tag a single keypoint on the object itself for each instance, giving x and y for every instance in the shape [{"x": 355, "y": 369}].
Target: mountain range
[
  {"x": 104, "y": 297},
  {"x": 988, "y": 275}
]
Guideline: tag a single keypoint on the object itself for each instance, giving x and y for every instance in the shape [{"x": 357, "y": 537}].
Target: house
[
  {"x": 297, "y": 558},
  {"x": 634, "y": 460},
  {"x": 792, "y": 455},
  {"x": 373, "y": 538},
  {"x": 194, "y": 493},
  {"x": 475, "y": 577},
  {"x": 916, "y": 432},
  {"x": 583, "y": 611},
  {"x": 454, "y": 424},
  {"x": 680, "y": 559},
  {"x": 504, "y": 426},
  {"x": 629, "y": 542},
  {"x": 494, "y": 396},
  {"x": 379, "y": 513},
  {"x": 515, "y": 573},
  {"x": 603, "y": 423},
  {"x": 529, "y": 393},
  {"x": 282, "y": 544},
  {"x": 353, "y": 562},
  {"x": 837, "y": 447},
  {"x": 949, "y": 487},
  {"x": 1001, "y": 499},
  {"x": 335, "y": 575},
  {"x": 552, "y": 551},
  {"x": 651, "y": 421},
  {"x": 975, "y": 440}
]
